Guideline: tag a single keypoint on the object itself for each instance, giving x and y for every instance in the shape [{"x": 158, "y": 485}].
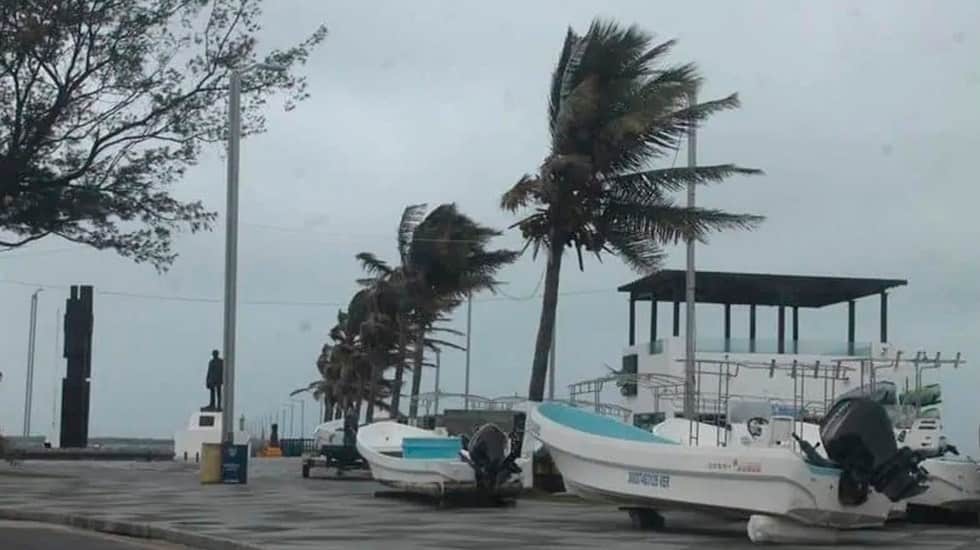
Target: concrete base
[{"x": 91, "y": 454}]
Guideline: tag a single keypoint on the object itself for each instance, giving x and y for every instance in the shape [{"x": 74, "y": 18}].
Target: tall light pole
[
  {"x": 57, "y": 372},
  {"x": 689, "y": 336},
  {"x": 438, "y": 372},
  {"x": 302, "y": 415},
  {"x": 469, "y": 329},
  {"x": 31, "y": 338},
  {"x": 231, "y": 245},
  {"x": 551, "y": 370}
]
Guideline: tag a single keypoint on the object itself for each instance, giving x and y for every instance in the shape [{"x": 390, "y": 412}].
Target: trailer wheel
[{"x": 645, "y": 518}]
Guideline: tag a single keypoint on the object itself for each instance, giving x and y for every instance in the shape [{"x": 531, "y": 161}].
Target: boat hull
[
  {"x": 954, "y": 484},
  {"x": 663, "y": 476},
  {"x": 429, "y": 477}
]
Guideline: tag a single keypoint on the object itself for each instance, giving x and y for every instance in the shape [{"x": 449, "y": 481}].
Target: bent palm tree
[
  {"x": 612, "y": 111},
  {"x": 444, "y": 258}
]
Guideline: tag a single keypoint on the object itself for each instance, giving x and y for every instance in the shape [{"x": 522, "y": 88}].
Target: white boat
[
  {"x": 427, "y": 462},
  {"x": 329, "y": 433},
  {"x": 953, "y": 482},
  {"x": 604, "y": 459}
]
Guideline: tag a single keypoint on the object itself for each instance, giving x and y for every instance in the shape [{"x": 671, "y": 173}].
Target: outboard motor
[
  {"x": 857, "y": 436},
  {"x": 487, "y": 454}
]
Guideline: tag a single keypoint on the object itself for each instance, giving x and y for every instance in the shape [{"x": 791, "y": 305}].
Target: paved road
[
  {"x": 280, "y": 510},
  {"x": 35, "y": 536}
]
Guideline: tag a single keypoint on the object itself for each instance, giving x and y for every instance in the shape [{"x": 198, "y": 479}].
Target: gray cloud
[{"x": 864, "y": 119}]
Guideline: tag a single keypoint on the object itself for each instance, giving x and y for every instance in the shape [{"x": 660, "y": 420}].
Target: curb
[{"x": 126, "y": 528}]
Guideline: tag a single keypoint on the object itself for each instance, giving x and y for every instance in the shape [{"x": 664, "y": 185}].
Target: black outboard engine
[
  {"x": 487, "y": 454},
  {"x": 857, "y": 436}
]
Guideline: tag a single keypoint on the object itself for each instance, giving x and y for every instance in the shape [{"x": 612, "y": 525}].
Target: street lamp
[
  {"x": 291, "y": 415},
  {"x": 31, "y": 339},
  {"x": 231, "y": 243},
  {"x": 302, "y": 416}
]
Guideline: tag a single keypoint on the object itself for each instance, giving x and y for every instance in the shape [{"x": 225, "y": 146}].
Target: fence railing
[{"x": 297, "y": 447}]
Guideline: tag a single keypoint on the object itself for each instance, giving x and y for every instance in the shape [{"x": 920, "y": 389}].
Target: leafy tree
[
  {"x": 613, "y": 109},
  {"x": 104, "y": 105}
]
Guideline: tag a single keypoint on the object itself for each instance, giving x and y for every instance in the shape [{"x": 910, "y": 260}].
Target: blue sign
[
  {"x": 234, "y": 463},
  {"x": 785, "y": 410}
]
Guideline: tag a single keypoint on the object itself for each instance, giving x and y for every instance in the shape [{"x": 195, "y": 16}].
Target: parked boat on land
[
  {"x": 953, "y": 481},
  {"x": 603, "y": 459},
  {"x": 430, "y": 463}
]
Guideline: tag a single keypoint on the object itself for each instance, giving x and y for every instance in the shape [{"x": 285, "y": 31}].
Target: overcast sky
[{"x": 864, "y": 118}]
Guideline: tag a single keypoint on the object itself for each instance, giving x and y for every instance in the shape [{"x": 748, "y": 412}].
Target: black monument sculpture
[
  {"x": 274, "y": 436},
  {"x": 78, "y": 324},
  {"x": 213, "y": 381}
]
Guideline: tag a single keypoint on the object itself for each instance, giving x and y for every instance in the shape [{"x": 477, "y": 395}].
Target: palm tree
[
  {"x": 613, "y": 109},
  {"x": 443, "y": 258},
  {"x": 347, "y": 377},
  {"x": 373, "y": 323},
  {"x": 449, "y": 251},
  {"x": 398, "y": 284}
]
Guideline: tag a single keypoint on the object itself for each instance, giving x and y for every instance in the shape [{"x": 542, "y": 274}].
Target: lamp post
[
  {"x": 438, "y": 372},
  {"x": 231, "y": 244},
  {"x": 690, "y": 342},
  {"x": 31, "y": 339},
  {"x": 302, "y": 416},
  {"x": 469, "y": 329}
]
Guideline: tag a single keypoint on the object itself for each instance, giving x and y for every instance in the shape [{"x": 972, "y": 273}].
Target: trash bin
[
  {"x": 234, "y": 463},
  {"x": 211, "y": 463}
]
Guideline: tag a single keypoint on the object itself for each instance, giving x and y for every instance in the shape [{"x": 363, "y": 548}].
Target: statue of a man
[{"x": 214, "y": 379}]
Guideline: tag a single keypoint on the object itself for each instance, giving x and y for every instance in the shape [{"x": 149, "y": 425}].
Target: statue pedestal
[{"x": 202, "y": 427}]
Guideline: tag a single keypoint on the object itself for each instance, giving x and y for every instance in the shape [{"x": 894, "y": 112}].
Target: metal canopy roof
[{"x": 717, "y": 287}]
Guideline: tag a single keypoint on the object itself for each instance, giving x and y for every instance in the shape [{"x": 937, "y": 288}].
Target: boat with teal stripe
[{"x": 601, "y": 458}]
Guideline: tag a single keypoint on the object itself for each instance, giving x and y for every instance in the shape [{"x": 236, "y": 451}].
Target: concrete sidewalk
[{"x": 279, "y": 509}]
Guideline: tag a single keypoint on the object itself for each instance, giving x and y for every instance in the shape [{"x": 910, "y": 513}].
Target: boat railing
[
  {"x": 828, "y": 373},
  {"x": 714, "y": 400}
]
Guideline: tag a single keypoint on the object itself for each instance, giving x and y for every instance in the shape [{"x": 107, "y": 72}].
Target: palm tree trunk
[
  {"x": 372, "y": 389},
  {"x": 327, "y": 410},
  {"x": 413, "y": 407},
  {"x": 399, "y": 369},
  {"x": 546, "y": 326}
]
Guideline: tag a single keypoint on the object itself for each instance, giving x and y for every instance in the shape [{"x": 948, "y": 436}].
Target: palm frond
[
  {"x": 372, "y": 264},
  {"x": 447, "y": 330},
  {"x": 614, "y": 52},
  {"x": 653, "y": 54},
  {"x": 651, "y": 184},
  {"x": 668, "y": 223},
  {"x": 640, "y": 253},
  {"x": 526, "y": 191},
  {"x": 435, "y": 343},
  {"x": 310, "y": 387},
  {"x": 411, "y": 217},
  {"x": 558, "y": 76},
  {"x": 663, "y": 131}
]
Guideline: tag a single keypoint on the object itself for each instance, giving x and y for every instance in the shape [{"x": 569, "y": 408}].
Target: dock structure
[
  {"x": 766, "y": 365},
  {"x": 753, "y": 290}
]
